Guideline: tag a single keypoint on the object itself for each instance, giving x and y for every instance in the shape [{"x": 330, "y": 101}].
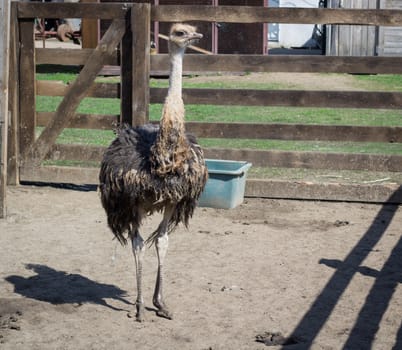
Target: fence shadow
[
  {"x": 377, "y": 301},
  {"x": 59, "y": 287},
  {"x": 363, "y": 332}
]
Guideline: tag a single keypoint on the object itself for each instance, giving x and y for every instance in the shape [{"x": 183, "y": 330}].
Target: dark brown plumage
[
  {"x": 154, "y": 168},
  {"x": 130, "y": 185}
]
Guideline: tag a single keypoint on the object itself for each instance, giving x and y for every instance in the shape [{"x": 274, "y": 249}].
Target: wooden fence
[
  {"x": 26, "y": 152},
  {"x": 4, "y": 56}
]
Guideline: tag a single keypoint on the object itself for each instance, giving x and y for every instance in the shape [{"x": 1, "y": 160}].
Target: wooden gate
[
  {"x": 136, "y": 62},
  {"x": 33, "y": 150}
]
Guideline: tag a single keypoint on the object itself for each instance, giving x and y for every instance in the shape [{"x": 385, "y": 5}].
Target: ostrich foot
[
  {"x": 139, "y": 315},
  {"x": 163, "y": 312}
]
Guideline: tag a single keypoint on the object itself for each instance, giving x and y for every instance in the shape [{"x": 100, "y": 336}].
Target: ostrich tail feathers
[
  {"x": 151, "y": 239},
  {"x": 122, "y": 240},
  {"x": 118, "y": 230}
]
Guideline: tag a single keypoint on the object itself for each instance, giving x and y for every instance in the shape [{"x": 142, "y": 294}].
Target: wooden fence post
[
  {"x": 27, "y": 88},
  {"x": 141, "y": 31},
  {"x": 126, "y": 74},
  {"x": 13, "y": 154},
  {"x": 4, "y": 57}
]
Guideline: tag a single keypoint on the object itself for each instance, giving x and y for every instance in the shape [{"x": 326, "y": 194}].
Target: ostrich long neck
[
  {"x": 172, "y": 121},
  {"x": 176, "y": 71},
  {"x": 170, "y": 148}
]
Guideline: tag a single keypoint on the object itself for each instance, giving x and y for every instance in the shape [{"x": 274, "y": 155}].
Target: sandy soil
[{"x": 325, "y": 275}]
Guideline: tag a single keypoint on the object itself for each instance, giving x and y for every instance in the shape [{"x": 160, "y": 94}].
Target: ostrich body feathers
[{"x": 145, "y": 168}]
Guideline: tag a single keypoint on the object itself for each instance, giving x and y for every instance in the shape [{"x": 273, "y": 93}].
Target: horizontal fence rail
[
  {"x": 254, "y": 188},
  {"x": 72, "y": 10},
  {"x": 261, "y": 158},
  {"x": 247, "y": 14},
  {"x": 228, "y": 14},
  {"x": 241, "y": 63},
  {"x": 284, "y": 98},
  {"x": 283, "y": 63},
  {"x": 274, "y": 131}
]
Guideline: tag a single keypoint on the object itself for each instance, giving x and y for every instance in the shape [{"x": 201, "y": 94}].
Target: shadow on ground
[
  {"x": 363, "y": 333},
  {"x": 60, "y": 287}
]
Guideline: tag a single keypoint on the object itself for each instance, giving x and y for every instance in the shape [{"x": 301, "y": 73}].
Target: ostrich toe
[{"x": 164, "y": 313}]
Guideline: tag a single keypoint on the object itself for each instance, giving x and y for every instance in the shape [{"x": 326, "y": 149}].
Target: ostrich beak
[{"x": 195, "y": 37}]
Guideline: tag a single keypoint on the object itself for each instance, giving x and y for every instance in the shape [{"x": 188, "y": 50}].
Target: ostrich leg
[
  {"x": 138, "y": 251},
  {"x": 161, "y": 244}
]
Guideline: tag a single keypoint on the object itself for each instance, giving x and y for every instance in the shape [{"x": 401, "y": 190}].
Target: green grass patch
[
  {"x": 89, "y": 105},
  {"x": 189, "y": 84},
  {"x": 298, "y": 115},
  {"x": 86, "y": 137},
  {"x": 72, "y": 163},
  {"x": 385, "y": 82}
]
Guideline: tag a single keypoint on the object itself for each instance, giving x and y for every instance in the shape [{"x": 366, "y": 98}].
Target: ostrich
[{"x": 154, "y": 168}]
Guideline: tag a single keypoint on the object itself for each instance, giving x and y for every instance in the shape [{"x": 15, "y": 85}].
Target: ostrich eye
[{"x": 179, "y": 33}]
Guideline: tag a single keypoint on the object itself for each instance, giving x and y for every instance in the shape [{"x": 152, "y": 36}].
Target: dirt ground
[
  {"x": 308, "y": 81},
  {"x": 325, "y": 275}
]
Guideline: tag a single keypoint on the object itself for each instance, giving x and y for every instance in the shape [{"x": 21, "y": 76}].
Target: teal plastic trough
[{"x": 225, "y": 185}]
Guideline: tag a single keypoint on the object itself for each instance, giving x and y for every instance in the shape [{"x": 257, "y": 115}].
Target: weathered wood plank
[
  {"x": 56, "y": 174},
  {"x": 282, "y": 63},
  {"x": 296, "y": 132},
  {"x": 126, "y": 75},
  {"x": 72, "y": 10},
  {"x": 267, "y": 158},
  {"x": 291, "y": 132},
  {"x": 250, "y": 14},
  {"x": 13, "y": 101},
  {"x": 141, "y": 31},
  {"x": 4, "y": 68},
  {"x": 70, "y": 57},
  {"x": 310, "y": 160},
  {"x": 27, "y": 90},
  {"x": 77, "y": 91},
  {"x": 374, "y": 193},
  {"x": 229, "y": 14},
  {"x": 287, "y": 98},
  {"x": 254, "y": 187},
  {"x": 77, "y": 152},
  {"x": 241, "y": 63},
  {"x": 89, "y": 29}
]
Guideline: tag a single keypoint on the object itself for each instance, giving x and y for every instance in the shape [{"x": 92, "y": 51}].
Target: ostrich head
[{"x": 181, "y": 36}]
